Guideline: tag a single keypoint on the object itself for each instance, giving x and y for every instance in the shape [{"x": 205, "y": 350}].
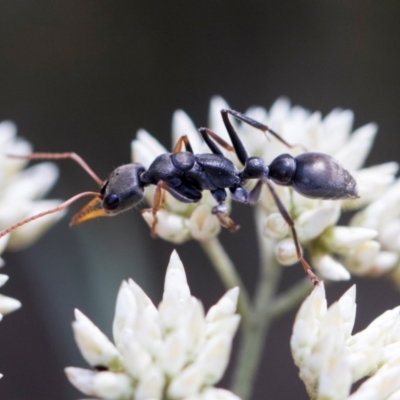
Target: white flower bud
[
  {"x": 213, "y": 394},
  {"x": 225, "y": 307},
  {"x": 361, "y": 260},
  {"x": 93, "y": 344},
  {"x": 275, "y": 227},
  {"x": 341, "y": 239},
  {"x": 226, "y": 325},
  {"x": 214, "y": 357},
  {"x": 183, "y": 125},
  {"x": 125, "y": 311},
  {"x": 135, "y": 357},
  {"x": 170, "y": 226},
  {"x": 329, "y": 268},
  {"x": 28, "y": 233},
  {"x": 151, "y": 385},
  {"x": 145, "y": 148},
  {"x": 8, "y": 304},
  {"x": 111, "y": 385},
  {"x": 285, "y": 252},
  {"x": 312, "y": 223},
  {"x": 354, "y": 153},
  {"x": 82, "y": 379},
  {"x": 176, "y": 286},
  {"x": 203, "y": 224},
  {"x": 382, "y": 385},
  {"x": 187, "y": 383}
]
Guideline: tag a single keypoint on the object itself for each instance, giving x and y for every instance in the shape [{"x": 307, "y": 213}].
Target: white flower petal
[
  {"x": 312, "y": 223},
  {"x": 95, "y": 347},
  {"x": 151, "y": 385},
  {"x": 329, "y": 268},
  {"x": 170, "y": 227},
  {"x": 354, "y": 153},
  {"x": 285, "y": 252},
  {"x": 214, "y": 357},
  {"x": 111, "y": 385},
  {"x": 215, "y": 121},
  {"x": 175, "y": 285},
  {"x": 125, "y": 311},
  {"x": 82, "y": 379},
  {"x": 183, "y": 125},
  {"x": 342, "y": 239},
  {"x": 362, "y": 259},
  {"x": 28, "y": 233},
  {"x": 203, "y": 224},
  {"x": 275, "y": 227},
  {"x": 32, "y": 183},
  {"x": 225, "y": 307},
  {"x": 187, "y": 383},
  {"x": 8, "y": 304}
]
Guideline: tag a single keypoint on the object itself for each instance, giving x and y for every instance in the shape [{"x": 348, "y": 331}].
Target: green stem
[
  {"x": 291, "y": 298},
  {"x": 255, "y": 332},
  {"x": 228, "y": 274}
]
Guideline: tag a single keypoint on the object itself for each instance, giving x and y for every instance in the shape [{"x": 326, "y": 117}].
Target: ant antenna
[
  {"x": 61, "y": 156},
  {"x": 60, "y": 207}
]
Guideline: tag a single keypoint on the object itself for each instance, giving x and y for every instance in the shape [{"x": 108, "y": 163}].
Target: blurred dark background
[{"x": 84, "y": 76}]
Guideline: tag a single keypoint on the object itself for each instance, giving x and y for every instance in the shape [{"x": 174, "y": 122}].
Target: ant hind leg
[{"x": 290, "y": 222}]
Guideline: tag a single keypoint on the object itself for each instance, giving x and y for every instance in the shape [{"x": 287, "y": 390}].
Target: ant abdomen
[{"x": 320, "y": 176}]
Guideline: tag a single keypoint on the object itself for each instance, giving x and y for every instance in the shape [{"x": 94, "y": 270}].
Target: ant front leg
[
  {"x": 158, "y": 200},
  {"x": 209, "y": 136},
  {"x": 290, "y": 222},
  {"x": 221, "y": 211},
  {"x": 183, "y": 140}
]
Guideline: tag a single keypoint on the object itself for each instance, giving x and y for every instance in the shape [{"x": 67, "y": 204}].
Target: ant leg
[
  {"x": 290, "y": 222},
  {"x": 240, "y": 151},
  {"x": 220, "y": 211},
  {"x": 254, "y": 124},
  {"x": 158, "y": 201},
  {"x": 207, "y": 134},
  {"x": 61, "y": 156},
  {"x": 183, "y": 140}
]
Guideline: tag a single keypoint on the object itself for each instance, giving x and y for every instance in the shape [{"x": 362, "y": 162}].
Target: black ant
[{"x": 185, "y": 175}]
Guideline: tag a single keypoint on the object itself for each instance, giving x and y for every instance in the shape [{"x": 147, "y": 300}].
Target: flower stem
[
  {"x": 227, "y": 272},
  {"x": 255, "y": 331},
  {"x": 287, "y": 300}
]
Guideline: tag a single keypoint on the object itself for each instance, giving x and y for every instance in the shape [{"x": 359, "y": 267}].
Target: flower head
[
  {"x": 332, "y": 248},
  {"x": 22, "y": 190},
  {"x": 174, "y": 351},
  {"x": 335, "y": 251},
  {"x": 331, "y": 359}
]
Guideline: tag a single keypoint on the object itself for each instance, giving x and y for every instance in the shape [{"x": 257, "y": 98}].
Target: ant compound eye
[{"x": 111, "y": 202}]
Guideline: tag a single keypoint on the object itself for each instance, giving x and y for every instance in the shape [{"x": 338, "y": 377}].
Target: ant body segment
[{"x": 185, "y": 175}]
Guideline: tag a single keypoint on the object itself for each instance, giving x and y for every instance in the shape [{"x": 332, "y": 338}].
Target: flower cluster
[
  {"x": 177, "y": 222},
  {"x": 365, "y": 248},
  {"x": 331, "y": 359},
  {"x": 173, "y": 352},
  {"x": 334, "y": 250},
  {"x": 22, "y": 189},
  {"x": 7, "y": 304}
]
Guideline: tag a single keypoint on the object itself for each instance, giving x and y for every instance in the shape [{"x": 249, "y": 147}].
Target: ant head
[
  {"x": 123, "y": 189},
  {"x": 120, "y": 192}
]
